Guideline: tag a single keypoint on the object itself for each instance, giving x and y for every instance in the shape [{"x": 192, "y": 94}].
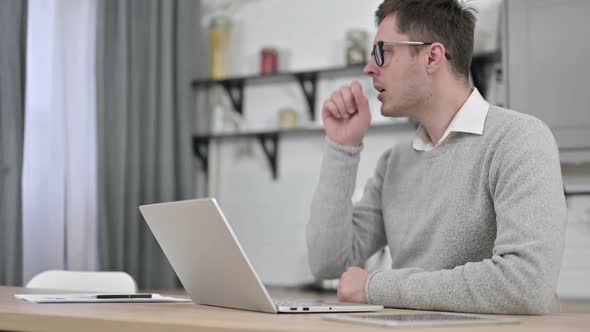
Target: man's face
[{"x": 402, "y": 80}]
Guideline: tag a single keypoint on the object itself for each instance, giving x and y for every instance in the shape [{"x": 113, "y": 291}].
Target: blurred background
[{"x": 109, "y": 104}]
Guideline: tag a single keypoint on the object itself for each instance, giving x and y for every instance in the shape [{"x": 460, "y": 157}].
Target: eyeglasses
[{"x": 378, "y": 51}]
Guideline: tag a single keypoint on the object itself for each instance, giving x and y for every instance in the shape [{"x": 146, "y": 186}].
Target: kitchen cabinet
[{"x": 546, "y": 70}]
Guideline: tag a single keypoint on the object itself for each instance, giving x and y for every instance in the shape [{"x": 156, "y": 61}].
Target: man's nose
[{"x": 371, "y": 68}]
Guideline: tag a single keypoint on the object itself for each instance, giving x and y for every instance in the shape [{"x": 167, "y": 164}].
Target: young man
[{"x": 472, "y": 208}]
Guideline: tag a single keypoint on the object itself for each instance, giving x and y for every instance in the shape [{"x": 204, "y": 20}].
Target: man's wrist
[
  {"x": 367, "y": 295},
  {"x": 346, "y": 147},
  {"x": 351, "y": 143}
]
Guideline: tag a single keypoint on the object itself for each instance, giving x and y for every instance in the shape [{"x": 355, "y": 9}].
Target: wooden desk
[{"x": 17, "y": 315}]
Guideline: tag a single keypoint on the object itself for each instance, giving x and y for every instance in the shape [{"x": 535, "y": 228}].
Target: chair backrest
[{"x": 110, "y": 282}]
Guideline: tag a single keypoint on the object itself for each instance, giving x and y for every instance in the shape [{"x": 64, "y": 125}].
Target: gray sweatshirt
[{"x": 475, "y": 225}]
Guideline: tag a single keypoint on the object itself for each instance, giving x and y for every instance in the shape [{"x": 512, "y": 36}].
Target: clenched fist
[
  {"x": 352, "y": 285},
  {"x": 346, "y": 115}
]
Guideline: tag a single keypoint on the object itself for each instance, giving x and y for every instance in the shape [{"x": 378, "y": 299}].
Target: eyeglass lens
[{"x": 378, "y": 53}]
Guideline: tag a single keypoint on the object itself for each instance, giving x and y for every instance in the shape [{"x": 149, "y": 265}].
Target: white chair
[{"x": 108, "y": 282}]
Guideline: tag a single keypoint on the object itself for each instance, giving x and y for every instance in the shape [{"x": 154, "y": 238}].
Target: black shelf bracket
[
  {"x": 268, "y": 141},
  {"x": 201, "y": 151},
  {"x": 270, "y": 144},
  {"x": 235, "y": 92},
  {"x": 308, "y": 82}
]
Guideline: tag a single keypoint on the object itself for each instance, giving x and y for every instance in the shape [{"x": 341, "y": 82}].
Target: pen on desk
[{"x": 124, "y": 296}]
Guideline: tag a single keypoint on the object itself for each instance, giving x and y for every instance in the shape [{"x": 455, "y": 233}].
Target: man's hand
[
  {"x": 352, "y": 285},
  {"x": 346, "y": 115}
]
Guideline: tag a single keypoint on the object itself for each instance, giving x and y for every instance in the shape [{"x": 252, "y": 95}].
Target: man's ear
[{"x": 436, "y": 57}]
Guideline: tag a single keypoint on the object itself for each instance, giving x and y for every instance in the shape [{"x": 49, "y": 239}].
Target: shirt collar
[{"x": 470, "y": 119}]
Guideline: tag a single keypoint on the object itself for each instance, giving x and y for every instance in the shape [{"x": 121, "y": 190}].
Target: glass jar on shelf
[
  {"x": 356, "y": 50},
  {"x": 269, "y": 61},
  {"x": 219, "y": 35},
  {"x": 287, "y": 118}
]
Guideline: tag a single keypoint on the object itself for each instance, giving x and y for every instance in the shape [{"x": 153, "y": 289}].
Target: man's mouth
[
  {"x": 381, "y": 91},
  {"x": 379, "y": 88}
]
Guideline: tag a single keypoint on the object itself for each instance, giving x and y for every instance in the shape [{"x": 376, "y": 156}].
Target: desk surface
[{"x": 17, "y": 315}]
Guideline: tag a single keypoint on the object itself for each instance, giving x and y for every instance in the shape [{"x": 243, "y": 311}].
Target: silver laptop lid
[{"x": 206, "y": 255}]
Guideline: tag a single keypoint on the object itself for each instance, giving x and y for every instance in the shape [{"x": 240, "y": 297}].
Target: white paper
[{"x": 91, "y": 298}]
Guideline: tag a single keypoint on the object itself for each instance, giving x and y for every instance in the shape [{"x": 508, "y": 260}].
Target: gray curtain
[
  {"x": 13, "y": 26},
  {"x": 147, "y": 54}
]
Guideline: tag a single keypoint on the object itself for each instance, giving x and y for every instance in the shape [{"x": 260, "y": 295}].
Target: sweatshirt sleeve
[
  {"x": 339, "y": 234},
  {"x": 522, "y": 274}
]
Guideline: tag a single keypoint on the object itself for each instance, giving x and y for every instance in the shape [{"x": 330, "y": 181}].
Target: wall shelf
[
  {"x": 234, "y": 86},
  {"x": 577, "y": 193},
  {"x": 269, "y": 141}
]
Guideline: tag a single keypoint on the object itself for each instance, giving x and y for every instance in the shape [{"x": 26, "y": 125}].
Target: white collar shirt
[{"x": 469, "y": 119}]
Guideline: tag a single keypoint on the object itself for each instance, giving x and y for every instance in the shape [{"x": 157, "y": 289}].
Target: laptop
[{"x": 212, "y": 266}]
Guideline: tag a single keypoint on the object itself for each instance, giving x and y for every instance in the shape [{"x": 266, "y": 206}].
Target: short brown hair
[{"x": 446, "y": 21}]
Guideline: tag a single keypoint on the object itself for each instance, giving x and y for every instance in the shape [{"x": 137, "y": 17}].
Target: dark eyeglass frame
[{"x": 378, "y": 52}]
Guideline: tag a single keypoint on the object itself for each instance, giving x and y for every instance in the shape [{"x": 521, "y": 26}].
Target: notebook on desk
[
  {"x": 212, "y": 266},
  {"x": 98, "y": 298}
]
